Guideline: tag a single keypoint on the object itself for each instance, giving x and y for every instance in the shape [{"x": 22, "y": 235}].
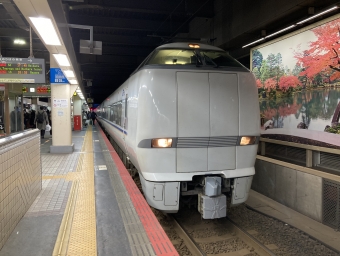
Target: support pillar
[
  {"x": 77, "y": 113},
  {"x": 61, "y": 116}
]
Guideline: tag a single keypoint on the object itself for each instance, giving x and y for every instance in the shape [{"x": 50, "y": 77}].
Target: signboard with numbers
[
  {"x": 57, "y": 76},
  {"x": 22, "y": 70}
]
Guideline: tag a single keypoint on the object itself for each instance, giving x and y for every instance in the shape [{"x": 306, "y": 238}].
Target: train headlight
[
  {"x": 247, "y": 140},
  {"x": 161, "y": 143}
]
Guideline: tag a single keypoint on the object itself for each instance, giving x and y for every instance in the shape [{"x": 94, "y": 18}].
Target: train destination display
[{"x": 22, "y": 70}]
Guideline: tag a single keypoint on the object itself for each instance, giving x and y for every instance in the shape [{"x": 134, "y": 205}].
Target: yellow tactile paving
[
  {"x": 77, "y": 234},
  {"x": 53, "y": 177}
]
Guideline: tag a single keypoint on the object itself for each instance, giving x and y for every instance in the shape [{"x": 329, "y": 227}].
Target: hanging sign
[
  {"x": 22, "y": 70},
  {"x": 57, "y": 76}
]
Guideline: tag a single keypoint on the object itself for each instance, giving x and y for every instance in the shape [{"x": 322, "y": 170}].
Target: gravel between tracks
[
  {"x": 269, "y": 231},
  {"x": 213, "y": 236}
]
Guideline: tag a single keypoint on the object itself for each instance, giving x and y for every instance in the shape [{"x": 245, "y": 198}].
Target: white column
[
  {"x": 61, "y": 116},
  {"x": 77, "y": 108}
]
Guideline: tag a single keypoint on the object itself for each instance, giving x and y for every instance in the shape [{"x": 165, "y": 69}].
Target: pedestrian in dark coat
[
  {"x": 93, "y": 116},
  {"x": 41, "y": 125}
]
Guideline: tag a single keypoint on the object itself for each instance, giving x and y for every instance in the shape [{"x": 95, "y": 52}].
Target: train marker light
[
  {"x": 194, "y": 45},
  {"x": 247, "y": 140},
  {"x": 161, "y": 143}
]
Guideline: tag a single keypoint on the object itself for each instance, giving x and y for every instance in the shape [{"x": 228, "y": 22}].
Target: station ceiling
[{"x": 131, "y": 29}]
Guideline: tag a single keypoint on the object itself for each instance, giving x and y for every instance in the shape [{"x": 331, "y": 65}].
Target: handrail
[{"x": 298, "y": 145}]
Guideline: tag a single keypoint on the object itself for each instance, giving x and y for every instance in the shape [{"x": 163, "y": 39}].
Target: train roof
[{"x": 186, "y": 46}]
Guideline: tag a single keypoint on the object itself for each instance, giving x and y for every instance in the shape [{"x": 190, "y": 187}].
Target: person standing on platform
[
  {"x": 93, "y": 116},
  {"x": 41, "y": 120}
]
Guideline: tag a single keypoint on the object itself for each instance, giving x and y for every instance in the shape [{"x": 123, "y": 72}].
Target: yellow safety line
[
  {"x": 53, "y": 177},
  {"x": 77, "y": 233}
]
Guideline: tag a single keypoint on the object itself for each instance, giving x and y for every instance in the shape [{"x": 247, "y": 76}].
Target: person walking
[
  {"x": 41, "y": 120},
  {"x": 84, "y": 119},
  {"x": 93, "y": 116}
]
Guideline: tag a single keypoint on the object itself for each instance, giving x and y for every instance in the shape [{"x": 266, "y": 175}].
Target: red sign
[{"x": 77, "y": 123}]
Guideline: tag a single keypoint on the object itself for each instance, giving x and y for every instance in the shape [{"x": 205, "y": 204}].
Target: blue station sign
[{"x": 57, "y": 76}]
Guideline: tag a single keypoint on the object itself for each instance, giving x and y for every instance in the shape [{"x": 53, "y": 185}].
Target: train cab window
[
  {"x": 219, "y": 59},
  {"x": 172, "y": 57}
]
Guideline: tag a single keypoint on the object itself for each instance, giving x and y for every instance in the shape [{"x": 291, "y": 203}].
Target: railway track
[
  {"x": 244, "y": 232},
  {"x": 192, "y": 235}
]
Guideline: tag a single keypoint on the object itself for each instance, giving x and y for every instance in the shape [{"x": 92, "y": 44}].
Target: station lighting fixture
[
  {"x": 73, "y": 81},
  {"x": 19, "y": 41},
  {"x": 292, "y": 26},
  {"x": 280, "y": 31},
  {"x": 69, "y": 73},
  {"x": 62, "y": 60},
  {"x": 46, "y": 30},
  {"x": 317, "y": 15}
]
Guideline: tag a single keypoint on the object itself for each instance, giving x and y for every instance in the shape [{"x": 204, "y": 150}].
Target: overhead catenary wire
[
  {"x": 188, "y": 19},
  {"x": 169, "y": 16}
]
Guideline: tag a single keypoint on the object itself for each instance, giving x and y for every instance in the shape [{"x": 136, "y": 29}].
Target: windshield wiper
[
  {"x": 198, "y": 59},
  {"x": 209, "y": 59}
]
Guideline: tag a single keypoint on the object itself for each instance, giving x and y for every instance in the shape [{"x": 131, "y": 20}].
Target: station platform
[{"x": 88, "y": 205}]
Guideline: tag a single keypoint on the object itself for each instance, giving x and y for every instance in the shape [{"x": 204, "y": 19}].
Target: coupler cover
[{"x": 212, "y": 207}]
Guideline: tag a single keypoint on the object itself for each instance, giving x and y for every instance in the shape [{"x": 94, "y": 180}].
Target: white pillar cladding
[
  {"x": 77, "y": 108},
  {"x": 61, "y": 115}
]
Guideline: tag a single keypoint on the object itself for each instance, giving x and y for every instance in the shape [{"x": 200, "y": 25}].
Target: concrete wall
[
  {"x": 20, "y": 178},
  {"x": 295, "y": 189}
]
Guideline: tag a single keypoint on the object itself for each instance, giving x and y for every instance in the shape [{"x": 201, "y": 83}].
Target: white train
[{"x": 188, "y": 121}]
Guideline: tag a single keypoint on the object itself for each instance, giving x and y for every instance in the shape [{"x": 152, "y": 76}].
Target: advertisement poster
[
  {"x": 298, "y": 80},
  {"x": 60, "y": 103}
]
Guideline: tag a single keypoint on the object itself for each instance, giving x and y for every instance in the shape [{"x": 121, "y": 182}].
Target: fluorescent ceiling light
[
  {"x": 69, "y": 73},
  {"x": 280, "y": 31},
  {"x": 46, "y": 30},
  {"x": 253, "y": 42},
  {"x": 73, "y": 81},
  {"x": 314, "y": 16},
  {"x": 62, "y": 60},
  {"x": 292, "y": 26},
  {"x": 19, "y": 41}
]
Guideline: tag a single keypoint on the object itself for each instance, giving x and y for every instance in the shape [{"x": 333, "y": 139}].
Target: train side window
[
  {"x": 119, "y": 111},
  {"x": 111, "y": 113},
  {"x": 115, "y": 110}
]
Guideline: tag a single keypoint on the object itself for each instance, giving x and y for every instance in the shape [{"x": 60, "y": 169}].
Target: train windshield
[
  {"x": 173, "y": 57},
  {"x": 219, "y": 59}
]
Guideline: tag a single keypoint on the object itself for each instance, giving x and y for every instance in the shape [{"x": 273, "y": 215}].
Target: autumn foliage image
[
  {"x": 298, "y": 79},
  {"x": 314, "y": 64}
]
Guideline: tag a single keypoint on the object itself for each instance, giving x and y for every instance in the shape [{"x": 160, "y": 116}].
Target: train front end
[{"x": 201, "y": 137}]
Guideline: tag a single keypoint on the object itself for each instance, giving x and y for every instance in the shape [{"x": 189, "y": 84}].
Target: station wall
[{"x": 20, "y": 178}]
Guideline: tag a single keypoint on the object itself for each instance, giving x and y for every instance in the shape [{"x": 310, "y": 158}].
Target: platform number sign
[{"x": 57, "y": 76}]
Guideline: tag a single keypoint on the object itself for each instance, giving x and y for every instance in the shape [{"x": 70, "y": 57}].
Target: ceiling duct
[{"x": 15, "y": 14}]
